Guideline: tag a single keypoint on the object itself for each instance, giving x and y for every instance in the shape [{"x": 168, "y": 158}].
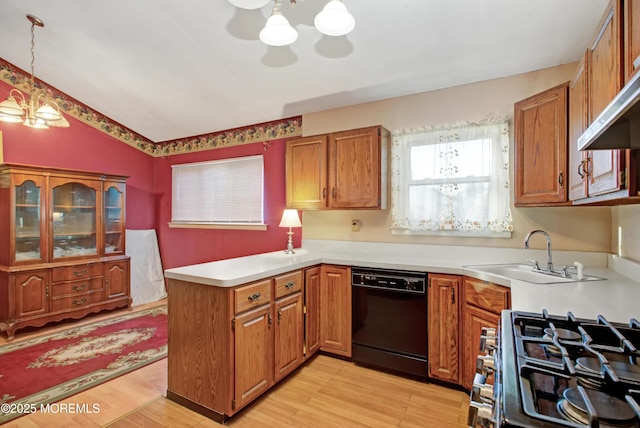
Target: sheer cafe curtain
[{"x": 452, "y": 180}]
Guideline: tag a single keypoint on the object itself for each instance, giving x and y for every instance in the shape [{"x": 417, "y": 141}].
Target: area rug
[{"x": 46, "y": 369}]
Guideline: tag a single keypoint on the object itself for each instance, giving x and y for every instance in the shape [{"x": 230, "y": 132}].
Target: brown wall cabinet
[
  {"x": 443, "y": 327},
  {"x": 540, "y": 161},
  {"x": 483, "y": 302},
  {"x": 341, "y": 170},
  {"x": 57, "y": 262}
]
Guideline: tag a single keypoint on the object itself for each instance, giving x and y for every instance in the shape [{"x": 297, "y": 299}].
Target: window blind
[{"x": 228, "y": 191}]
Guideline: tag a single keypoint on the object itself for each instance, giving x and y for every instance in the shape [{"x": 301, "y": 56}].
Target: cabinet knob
[
  {"x": 254, "y": 297},
  {"x": 289, "y": 285},
  {"x": 561, "y": 179}
]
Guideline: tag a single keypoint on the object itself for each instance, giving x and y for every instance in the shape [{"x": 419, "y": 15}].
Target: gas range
[{"x": 559, "y": 371}]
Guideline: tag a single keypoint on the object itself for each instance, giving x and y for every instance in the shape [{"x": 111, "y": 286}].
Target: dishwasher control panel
[{"x": 389, "y": 279}]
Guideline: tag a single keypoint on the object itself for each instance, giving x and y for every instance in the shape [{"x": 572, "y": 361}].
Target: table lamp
[{"x": 290, "y": 219}]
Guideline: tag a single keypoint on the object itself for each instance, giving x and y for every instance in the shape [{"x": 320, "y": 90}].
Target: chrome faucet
[{"x": 549, "y": 259}]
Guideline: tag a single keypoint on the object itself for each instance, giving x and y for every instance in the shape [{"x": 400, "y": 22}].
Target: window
[
  {"x": 223, "y": 192},
  {"x": 452, "y": 180}
]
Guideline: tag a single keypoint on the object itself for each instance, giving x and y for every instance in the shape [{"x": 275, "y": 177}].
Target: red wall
[
  {"x": 180, "y": 247},
  {"x": 82, "y": 147}
]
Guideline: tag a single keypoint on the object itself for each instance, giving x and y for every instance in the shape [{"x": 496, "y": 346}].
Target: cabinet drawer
[
  {"x": 288, "y": 283},
  {"x": 72, "y": 273},
  {"x": 76, "y": 287},
  {"x": 74, "y": 302},
  {"x": 252, "y": 295},
  {"x": 485, "y": 295}
]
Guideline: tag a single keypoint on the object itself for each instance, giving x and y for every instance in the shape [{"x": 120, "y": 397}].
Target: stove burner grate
[{"x": 579, "y": 403}]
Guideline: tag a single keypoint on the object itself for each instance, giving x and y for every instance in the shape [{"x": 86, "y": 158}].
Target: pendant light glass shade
[
  {"x": 334, "y": 20},
  {"x": 10, "y": 107},
  {"x": 47, "y": 112},
  {"x": 278, "y": 31},
  {"x": 249, "y": 4}
]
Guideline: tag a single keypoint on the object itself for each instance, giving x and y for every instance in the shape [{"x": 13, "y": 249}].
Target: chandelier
[
  {"x": 333, "y": 20},
  {"x": 38, "y": 111}
]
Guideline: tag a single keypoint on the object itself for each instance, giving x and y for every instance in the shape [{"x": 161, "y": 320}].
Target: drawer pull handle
[
  {"x": 77, "y": 287},
  {"x": 289, "y": 285},
  {"x": 80, "y": 272},
  {"x": 80, "y": 302},
  {"x": 254, "y": 297}
]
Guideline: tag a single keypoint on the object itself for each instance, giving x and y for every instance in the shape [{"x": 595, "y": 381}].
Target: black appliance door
[{"x": 390, "y": 329}]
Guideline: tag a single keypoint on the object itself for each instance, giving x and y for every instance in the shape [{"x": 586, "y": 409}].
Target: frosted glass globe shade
[
  {"x": 334, "y": 19},
  {"x": 249, "y": 4},
  {"x": 278, "y": 32}
]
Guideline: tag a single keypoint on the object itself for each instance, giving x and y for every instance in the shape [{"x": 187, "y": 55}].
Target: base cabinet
[
  {"x": 335, "y": 310},
  {"x": 483, "y": 302},
  {"x": 443, "y": 327},
  {"x": 311, "y": 311},
  {"x": 227, "y": 346}
]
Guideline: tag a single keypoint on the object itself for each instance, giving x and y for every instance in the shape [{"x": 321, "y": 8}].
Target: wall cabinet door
[
  {"x": 355, "y": 168},
  {"x": 541, "y": 148},
  {"x": 312, "y": 310},
  {"x": 288, "y": 335},
  {"x": 116, "y": 279},
  {"x": 253, "y": 340},
  {"x": 443, "y": 327},
  {"x": 631, "y": 38},
  {"x": 306, "y": 171},
  {"x": 335, "y": 310},
  {"x": 578, "y": 122}
]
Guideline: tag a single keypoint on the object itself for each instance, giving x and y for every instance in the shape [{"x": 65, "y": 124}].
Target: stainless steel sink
[{"x": 524, "y": 272}]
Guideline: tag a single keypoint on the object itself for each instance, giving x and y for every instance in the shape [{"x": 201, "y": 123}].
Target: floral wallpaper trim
[{"x": 283, "y": 128}]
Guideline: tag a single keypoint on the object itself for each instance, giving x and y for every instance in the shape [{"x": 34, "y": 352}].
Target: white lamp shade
[
  {"x": 278, "y": 32},
  {"x": 334, "y": 20},
  {"x": 249, "y": 4},
  {"x": 10, "y": 118},
  {"x": 290, "y": 219},
  {"x": 11, "y": 107},
  {"x": 47, "y": 112}
]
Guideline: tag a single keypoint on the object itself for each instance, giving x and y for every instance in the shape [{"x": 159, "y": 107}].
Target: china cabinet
[{"x": 63, "y": 245}]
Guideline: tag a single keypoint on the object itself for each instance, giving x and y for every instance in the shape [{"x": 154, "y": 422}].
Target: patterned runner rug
[{"x": 50, "y": 368}]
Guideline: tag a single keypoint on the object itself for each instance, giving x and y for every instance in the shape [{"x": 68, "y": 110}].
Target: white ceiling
[{"x": 170, "y": 69}]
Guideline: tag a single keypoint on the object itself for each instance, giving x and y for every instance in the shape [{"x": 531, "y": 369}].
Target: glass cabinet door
[
  {"x": 74, "y": 219},
  {"x": 28, "y": 228},
  {"x": 114, "y": 218}
]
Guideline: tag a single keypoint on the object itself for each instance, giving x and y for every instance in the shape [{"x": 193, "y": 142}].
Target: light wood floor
[{"x": 325, "y": 392}]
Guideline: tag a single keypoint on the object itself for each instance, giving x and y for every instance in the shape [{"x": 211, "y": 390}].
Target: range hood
[{"x": 618, "y": 126}]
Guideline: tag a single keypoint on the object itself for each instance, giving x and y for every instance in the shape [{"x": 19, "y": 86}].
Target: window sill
[
  {"x": 459, "y": 234},
  {"x": 228, "y": 226}
]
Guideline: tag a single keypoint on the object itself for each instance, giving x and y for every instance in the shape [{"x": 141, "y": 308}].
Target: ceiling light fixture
[
  {"x": 38, "y": 111},
  {"x": 333, "y": 20}
]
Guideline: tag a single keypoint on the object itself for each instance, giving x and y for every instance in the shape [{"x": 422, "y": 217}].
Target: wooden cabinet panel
[
  {"x": 252, "y": 295},
  {"x": 287, "y": 284},
  {"x": 76, "y": 287},
  {"x": 443, "y": 327},
  {"x": 312, "y": 310},
  {"x": 340, "y": 170},
  {"x": 631, "y": 38},
  {"x": 474, "y": 320},
  {"x": 485, "y": 295},
  {"x": 541, "y": 148},
  {"x": 306, "y": 171},
  {"x": 75, "y": 272},
  {"x": 335, "y": 310},
  {"x": 253, "y": 339},
  {"x": 31, "y": 294},
  {"x": 73, "y": 303},
  {"x": 578, "y": 122},
  {"x": 355, "y": 173},
  {"x": 116, "y": 279},
  {"x": 288, "y": 335}
]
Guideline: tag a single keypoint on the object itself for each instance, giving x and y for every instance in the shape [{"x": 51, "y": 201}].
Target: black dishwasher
[{"x": 389, "y": 319}]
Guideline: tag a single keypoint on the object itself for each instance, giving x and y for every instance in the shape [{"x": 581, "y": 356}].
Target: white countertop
[{"x": 617, "y": 298}]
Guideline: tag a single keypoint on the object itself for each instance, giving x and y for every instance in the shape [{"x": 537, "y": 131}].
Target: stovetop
[{"x": 560, "y": 371}]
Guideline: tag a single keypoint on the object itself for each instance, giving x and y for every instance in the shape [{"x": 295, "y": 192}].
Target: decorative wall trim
[{"x": 284, "y": 128}]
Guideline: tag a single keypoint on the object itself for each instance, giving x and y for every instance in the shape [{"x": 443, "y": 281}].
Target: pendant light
[
  {"x": 249, "y": 4},
  {"x": 38, "y": 111},
  {"x": 278, "y": 31},
  {"x": 334, "y": 20}
]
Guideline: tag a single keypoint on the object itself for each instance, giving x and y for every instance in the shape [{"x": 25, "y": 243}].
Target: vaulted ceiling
[{"x": 171, "y": 69}]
